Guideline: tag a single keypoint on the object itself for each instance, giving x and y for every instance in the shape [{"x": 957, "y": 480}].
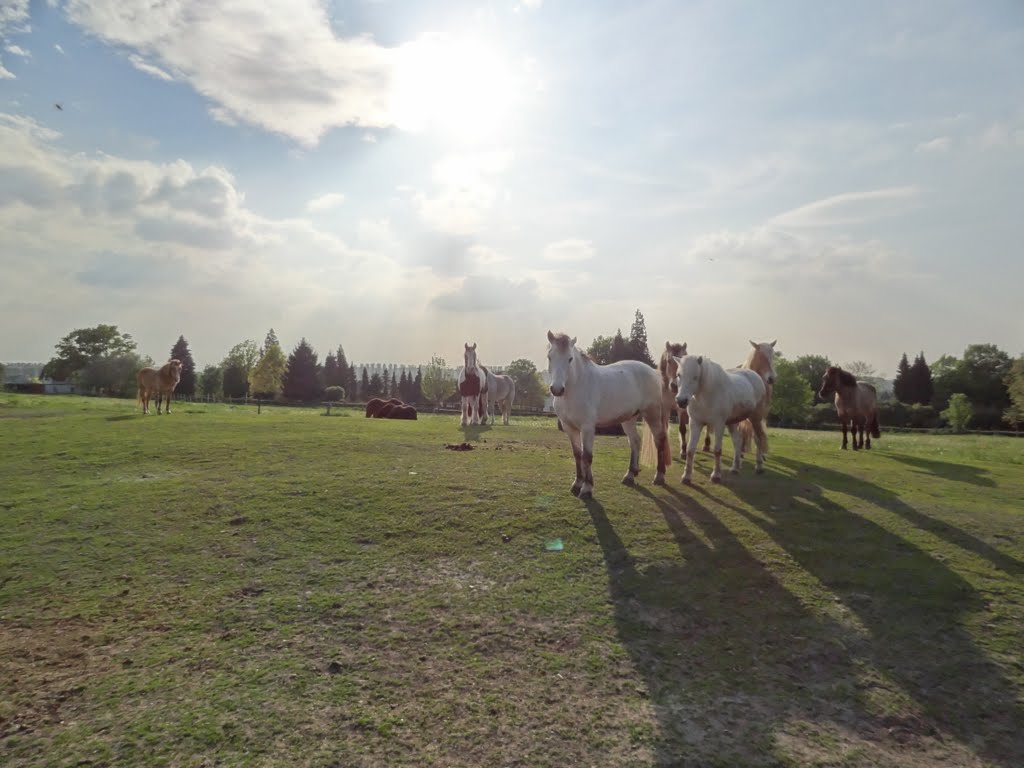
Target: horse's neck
[
  {"x": 711, "y": 376},
  {"x": 582, "y": 372}
]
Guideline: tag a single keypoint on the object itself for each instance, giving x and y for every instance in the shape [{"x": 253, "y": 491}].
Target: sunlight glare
[{"x": 458, "y": 87}]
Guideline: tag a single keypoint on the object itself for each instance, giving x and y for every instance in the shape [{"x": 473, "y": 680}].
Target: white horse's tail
[{"x": 649, "y": 452}]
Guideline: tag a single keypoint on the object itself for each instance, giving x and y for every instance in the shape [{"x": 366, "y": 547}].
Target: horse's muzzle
[
  {"x": 682, "y": 402},
  {"x": 557, "y": 391}
]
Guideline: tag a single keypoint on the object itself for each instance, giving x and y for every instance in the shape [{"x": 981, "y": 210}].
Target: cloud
[
  {"x": 847, "y": 208},
  {"x": 17, "y": 50},
  {"x": 143, "y": 66},
  {"x": 58, "y": 49},
  {"x": 480, "y": 293},
  {"x": 935, "y": 146},
  {"x": 13, "y": 21},
  {"x": 465, "y": 191},
  {"x": 325, "y": 202},
  {"x": 569, "y": 250},
  {"x": 276, "y": 64}
]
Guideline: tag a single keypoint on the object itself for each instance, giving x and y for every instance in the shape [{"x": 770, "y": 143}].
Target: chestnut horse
[
  {"x": 161, "y": 382},
  {"x": 668, "y": 368},
  {"x": 856, "y": 404},
  {"x": 760, "y": 360}
]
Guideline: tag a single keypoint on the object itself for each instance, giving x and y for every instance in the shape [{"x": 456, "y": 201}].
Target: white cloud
[
  {"x": 325, "y": 202},
  {"x": 935, "y": 146},
  {"x": 466, "y": 190},
  {"x": 370, "y": 138},
  {"x": 13, "y": 21},
  {"x": 143, "y": 66},
  {"x": 1001, "y": 134},
  {"x": 847, "y": 208},
  {"x": 58, "y": 49},
  {"x": 569, "y": 250},
  {"x": 479, "y": 293},
  {"x": 17, "y": 50}
]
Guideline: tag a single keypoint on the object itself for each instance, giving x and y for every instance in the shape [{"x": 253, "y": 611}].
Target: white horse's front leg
[
  {"x": 465, "y": 408},
  {"x": 577, "y": 454},
  {"x": 587, "y": 489},
  {"x": 737, "y": 449},
  {"x": 716, "y": 473},
  {"x": 629, "y": 427},
  {"x": 691, "y": 450}
]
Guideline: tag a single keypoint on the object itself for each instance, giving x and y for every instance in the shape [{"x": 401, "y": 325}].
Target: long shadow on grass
[
  {"x": 912, "y": 605},
  {"x": 883, "y": 497},
  {"x": 945, "y": 470},
  {"x": 727, "y": 653}
]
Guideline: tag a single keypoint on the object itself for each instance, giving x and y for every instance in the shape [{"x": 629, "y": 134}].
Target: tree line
[{"x": 983, "y": 389}]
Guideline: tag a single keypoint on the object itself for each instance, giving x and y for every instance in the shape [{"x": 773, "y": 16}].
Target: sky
[{"x": 401, "y": 177}]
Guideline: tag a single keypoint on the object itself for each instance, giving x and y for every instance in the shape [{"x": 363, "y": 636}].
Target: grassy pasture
[{"x": 217, "y": 587}]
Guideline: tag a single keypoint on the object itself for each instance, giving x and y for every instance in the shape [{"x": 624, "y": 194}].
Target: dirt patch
[
  {"x": 458, "y": 447},
  {"x": 45, "y": 670}
]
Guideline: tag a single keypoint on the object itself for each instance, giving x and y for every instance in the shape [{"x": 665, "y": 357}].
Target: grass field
[{"x": 217, "y": 587}]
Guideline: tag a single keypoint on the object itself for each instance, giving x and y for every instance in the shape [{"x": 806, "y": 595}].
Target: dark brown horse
[
  {"x": 668, "y": 369},
  {"x": 856, "y": 404},
  {"x": 159, "y": 382}
]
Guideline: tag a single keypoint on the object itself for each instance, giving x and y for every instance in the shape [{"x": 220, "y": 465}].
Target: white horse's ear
[
  {"x": 773, "y": 344},
  {"x": 753, "y": 344},
  {"x": 474, "y": 345},
  {"x": 551, "y": 337},
  {"x": 573, "y": 342},
  {"x": 467, "y": 344}
]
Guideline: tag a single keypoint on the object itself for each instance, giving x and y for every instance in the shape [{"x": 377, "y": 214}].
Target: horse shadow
[
  {"x": 474, "y": 431},
  {"x": 944, "y": 470},
  {"x": 123, "y": 417},
  {"x": 912, "y": 605},
  {"x": 875, "y": 494},
  {"x": 726, "y": 651}
]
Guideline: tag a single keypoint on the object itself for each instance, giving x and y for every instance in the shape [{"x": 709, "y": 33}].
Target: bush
[
  {"x": 958, "y": 414},
  {"x": 334, "y": 394}
]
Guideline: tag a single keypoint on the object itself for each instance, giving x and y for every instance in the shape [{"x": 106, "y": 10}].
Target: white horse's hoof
[
  {"x": 733, "y": 471},
  {"x": 659, "y": 480},
  {"x": 575, "y": 490},
  {"x": 759, "y": 471},
  {"x": 717, "y": 479},
  {"x": 586, "y": 494},
  {"x": 687, "y": 480},
  {"x": 628, "y": 479}
]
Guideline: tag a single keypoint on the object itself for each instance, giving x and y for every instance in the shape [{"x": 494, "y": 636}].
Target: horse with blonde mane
[
  {"x": 720, "y": 398},
  {"x": 587, "y": 395},
  {"x": 472, "y": 388},
  {"x": 760, "y": 360},
  {"x": 160, "y": 382},
  {"x": 856, "y": 404}
]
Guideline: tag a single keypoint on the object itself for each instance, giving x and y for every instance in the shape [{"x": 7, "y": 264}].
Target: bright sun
[{"x": 458, "y": 87}]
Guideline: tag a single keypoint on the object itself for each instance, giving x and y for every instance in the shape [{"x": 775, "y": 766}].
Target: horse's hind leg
[
  {"x": 760, "y": 440},
  {"x": 707, "y": 440},
  {"x": 737, "y": 448},
  {"x": 159, "y": 401},
  {"x": 867, "y": 437},
  {"x": 684, "y": 418},
  {"x": 629, "y": 427},
  {"x": 844, "y": 422},
  {"x": 853, "y": 431}
]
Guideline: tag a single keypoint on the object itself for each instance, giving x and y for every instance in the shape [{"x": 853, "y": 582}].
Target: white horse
[
  {"x": 588, "y": 395},
  {"x": 472, "y": 388},
  {"x": 720, "y": 398},
  {"x": 501, "y": 389}
]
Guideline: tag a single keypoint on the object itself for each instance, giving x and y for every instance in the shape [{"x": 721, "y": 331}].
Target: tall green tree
[
  {"x": 403, "y": 387},
  {"x": 903, "y": 384},
  {"x": 187, "y": 383},
  {"x": 235, "y": 380},
  {"x": 364, "y": 385},
  {"x": 75, "y": 350},
  {"x": 792, "y": 395},
  {"x": 620, "y": 348},
  {"x": 958, "y": 414},
  {"x": 333, "y": 375},
  {"x": 417, "y": 386},
  {"x": 437, "y": 382},
  {"x": 376, "y": 386},
  {"x": 921, "y": 386},
  {"x": 211, "y": 381},
  {"x": 113, "y": 375},
  {"x": 600, "y": 350},
  {"x": 245, "y": 355},
  {"x": 986, "y": 367},
  {"x": 638, "y": 340},
  {"x": 811, "y": 369},
  {"x": 530, "y": 389},
  {"x": 949, "y": 375},
  {"x": 1014, "y": 414},
  {"x": 300, "y": 377},
  {"x": 267, "y": 376}
]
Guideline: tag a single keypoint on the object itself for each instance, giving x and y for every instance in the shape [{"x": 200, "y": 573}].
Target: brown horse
[
  {"x": 160, "y": 382},
  {"x": 761, "y": 361},
  {"x": 668, "y": 369},
  {"x": 856, "y": 404}
]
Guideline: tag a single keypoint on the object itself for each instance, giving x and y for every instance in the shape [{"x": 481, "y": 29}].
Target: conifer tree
[
  {"x": 187, "y": 383},
  {"x": 638, "y": 340},
  {"x": 921, "y": 387},
  {"x": 300, "y": 378},
  {"x": 902, "y": 385}
]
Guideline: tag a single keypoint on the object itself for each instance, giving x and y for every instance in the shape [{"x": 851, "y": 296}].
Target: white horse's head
[
  {"x": 766, "y": 365},
  {"x": 561, "y": 354},
  {"x": 689, "y": 371},
  {"x": 470, "y": 356}
]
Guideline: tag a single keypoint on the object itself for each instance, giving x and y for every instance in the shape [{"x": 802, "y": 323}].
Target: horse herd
[{"x": 587, "y": 396}]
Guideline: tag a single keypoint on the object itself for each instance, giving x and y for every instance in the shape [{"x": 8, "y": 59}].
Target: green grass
[{"x": 217, "y": 587}]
